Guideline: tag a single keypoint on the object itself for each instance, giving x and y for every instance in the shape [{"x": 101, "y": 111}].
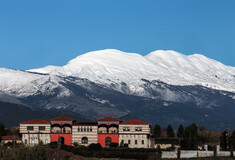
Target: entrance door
[
  {"x": 108, "y": 141},
  {"x": 61, "y": 140}
]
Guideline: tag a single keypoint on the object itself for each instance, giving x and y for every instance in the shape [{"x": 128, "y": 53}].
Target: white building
[
  {"x": 35, "y": 131},
  {"x": 135, "y": 133}
]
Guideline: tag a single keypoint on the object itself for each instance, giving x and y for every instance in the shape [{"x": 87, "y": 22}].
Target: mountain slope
[
  {"x": 163, "y": 87},
  {"x": 12, "y": 114}
]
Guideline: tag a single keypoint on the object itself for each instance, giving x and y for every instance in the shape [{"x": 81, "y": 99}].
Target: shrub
[
  {"x": 113, "y": 145},
  {"x": 75, "y": 144},
  {"x": 126, "y": 145},
  {"x": 53, "y": 145},
  {"x": 95, "y": 147}
]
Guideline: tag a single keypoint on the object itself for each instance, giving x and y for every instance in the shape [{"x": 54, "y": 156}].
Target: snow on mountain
[
  {"x": 114, "y": 66},
  {"x": 22, "y": 83}
]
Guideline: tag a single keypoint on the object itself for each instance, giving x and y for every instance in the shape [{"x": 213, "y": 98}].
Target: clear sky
[{"x": 36, "y": 33}]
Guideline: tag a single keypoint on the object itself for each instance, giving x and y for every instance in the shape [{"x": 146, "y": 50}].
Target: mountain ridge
[
  {"x": 119, "y": 84},
  {"x": 168, "y": 66}
]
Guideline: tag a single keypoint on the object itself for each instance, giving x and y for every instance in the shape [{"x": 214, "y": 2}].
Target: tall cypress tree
[
  {"x": 2, "y": 131},
  {"x": 170, "y": 132},
  {"x": 223, "y": 140},
  {"x": 157, "y": 131},
  {"x": 180, "y": 131},
  {"x": 190, "y": 138},
  {"x": 231, "y": 140}
]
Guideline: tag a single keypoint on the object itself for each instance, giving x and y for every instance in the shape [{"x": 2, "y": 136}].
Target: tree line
[{"x": 191, "y": 136}]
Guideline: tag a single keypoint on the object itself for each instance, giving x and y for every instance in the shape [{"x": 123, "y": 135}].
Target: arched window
[
  {"x": 32, "y": 141},
  {"x": 78, "y": 129},
  {"x": 84, "y": 140},
  {"x": 90, "y": 129}
]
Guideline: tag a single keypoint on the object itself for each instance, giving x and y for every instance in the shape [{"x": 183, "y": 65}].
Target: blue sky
[{"x": 36, "y": 33}]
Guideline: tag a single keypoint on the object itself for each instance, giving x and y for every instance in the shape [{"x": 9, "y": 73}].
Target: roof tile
[
  {"x": 109, "y": 119},
  {"x": 36, "y": 121},
  {"x": 135, "y": 122},
  {"x": 61, "y": 118},
  {"x": 11, "y": 137}
]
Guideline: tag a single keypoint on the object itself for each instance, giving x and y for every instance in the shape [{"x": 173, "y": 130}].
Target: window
[
  {"x": 113, "y": 131},
  {"x": 41, "y": 128},
  {"x": 90, "y": 129},
  {"x": 129, "y": 141},
  {"x": 135, "y": 141},
  {"x": 30, "y": 128},
  {"x": 32, "y": 141},
  {"x": 84, "y": 140},
  {"x": 138, "y": 128},
  {"x": 126, "y": 128},
  {"x": 142, "y": 141},
  {"x": 46, "y": 141},
  {"x": 84, "y": 129},
  {"x": 25, "y": 141},
  {"x": 122, "y": 141},
  {"x": 79, "y": 129}
]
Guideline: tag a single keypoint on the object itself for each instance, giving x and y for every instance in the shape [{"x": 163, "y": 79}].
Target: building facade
[
  {"x": 61, "y": 130},
  {"x": 108, "y": 131},
  {"x": 11, "y": 138},
  {"x": 135, "y": 133},
  {"x": 35, "y": 131},
  {"x": 84, "y": 133}
]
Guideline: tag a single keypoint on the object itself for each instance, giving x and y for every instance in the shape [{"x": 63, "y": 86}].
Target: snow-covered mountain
[
  {"x": 154, "y": 87},
  {"x": 113, "y": 66}
]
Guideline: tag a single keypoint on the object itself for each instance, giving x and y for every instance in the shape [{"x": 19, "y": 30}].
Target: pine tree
[
  {"x": 180, "y": 131},
  {"x": 157, "y": 131},
  {"x": 231, "y": 140},
  {"x": 190, "y": 137},
  {"x": 170, "y": 132},
  {"x": 2, "y": 131},
  {"x": 223, "y": 140}
]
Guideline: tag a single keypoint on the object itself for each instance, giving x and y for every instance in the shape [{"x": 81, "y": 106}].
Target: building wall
[
  {"x": 67, "y": 138},
  {"x": 35, "y": 138},
  {"x": 145, "y": 129},
  {"x": 12, "y": 141},
  {"x": 23, "y": 128},
  {"x": 78, "y": 135},
  {"x": 132, "y": 135},
  {"x": 135, "y": 137},
  {"x": 102, "y": 137}
]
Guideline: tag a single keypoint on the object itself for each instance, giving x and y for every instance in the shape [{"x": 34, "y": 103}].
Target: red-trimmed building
[
  {"x": 108, "y": 131},
  {"x": 135, "y": 133},
  {"x": 61, "y": 130}
]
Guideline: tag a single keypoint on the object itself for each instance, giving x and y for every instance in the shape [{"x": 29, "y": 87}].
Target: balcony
[{"x": 61, "y": 132}]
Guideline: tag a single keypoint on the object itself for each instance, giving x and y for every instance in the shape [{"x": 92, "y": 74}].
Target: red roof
[
  {"x": 11, "y": 137},
  {"x": 61, "y": 118},
  {"x": 36, "y": 121},
  {"x": 135, "y": 122},
  {"x": 109, "y": 119}
]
